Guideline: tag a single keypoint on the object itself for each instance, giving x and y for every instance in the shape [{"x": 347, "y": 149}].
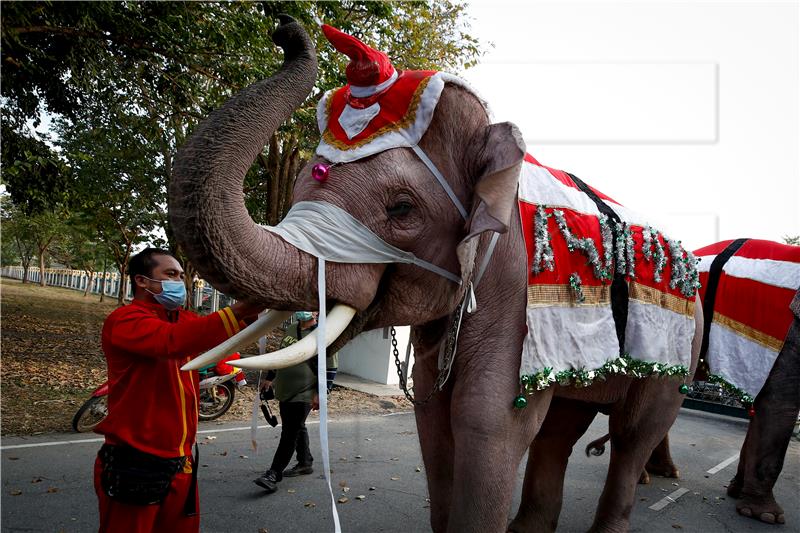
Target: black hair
[{"x": 142, "y": 264}]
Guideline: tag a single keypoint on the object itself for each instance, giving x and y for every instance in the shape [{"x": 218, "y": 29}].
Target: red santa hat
[
  {"x": 369, "y": 71},
  {"x": 379, "y": 108}
]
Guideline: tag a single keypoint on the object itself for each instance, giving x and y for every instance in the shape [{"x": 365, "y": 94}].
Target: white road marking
[
  {"x": 723, "y": 464},
  {"x": 85, "y": 441},
  {"x": 670, "y": 498}
]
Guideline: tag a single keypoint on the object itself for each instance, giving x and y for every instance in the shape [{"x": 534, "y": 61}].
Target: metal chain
[{"x": 449, "y": 356}]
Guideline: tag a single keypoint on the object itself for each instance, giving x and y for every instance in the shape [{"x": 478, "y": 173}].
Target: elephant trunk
[{"x": 207, "y": 208}]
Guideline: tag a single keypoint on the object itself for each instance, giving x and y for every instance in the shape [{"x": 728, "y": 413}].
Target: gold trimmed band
[
  {"x": 563, "y": 295},
  {"x": 752, "y": 334},
  {"x": 653, "y": 296}
]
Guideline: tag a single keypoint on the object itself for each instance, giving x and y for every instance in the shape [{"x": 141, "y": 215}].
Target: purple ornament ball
[{"x": 319, "y": 172}]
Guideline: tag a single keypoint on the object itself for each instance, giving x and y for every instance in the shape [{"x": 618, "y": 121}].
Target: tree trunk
[
  {"x": 42, "y": 280},
  {"x": 25, "y": 273},
  {"x": 103, "y": 284}
]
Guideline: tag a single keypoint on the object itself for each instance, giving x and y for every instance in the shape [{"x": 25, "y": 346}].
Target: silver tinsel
[
  {"x": 647, "y": 243},
  {"x": 619, "y": 230},
  {"x": 543, "y": 258},
  {"x": 659, "y": 257},
  {"x": 585, "y": 245},
  {"x": 608, "y": 242}
]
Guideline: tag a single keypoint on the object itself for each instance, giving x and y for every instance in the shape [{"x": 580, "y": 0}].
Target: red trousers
[{"x": 116, "y": 517}]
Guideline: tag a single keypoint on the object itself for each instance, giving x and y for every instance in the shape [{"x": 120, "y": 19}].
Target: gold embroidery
[
  {"x": 650, "y": 295},
  {"x": 759, "y": 337},
  {"x": 407, "y": 120},
  {"x": 547, "y": 295}
]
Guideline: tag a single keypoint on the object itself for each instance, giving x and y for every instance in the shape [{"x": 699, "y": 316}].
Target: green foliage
[
  {"x": 128, "y": 81},
  {"x": 792, "y": 239}
]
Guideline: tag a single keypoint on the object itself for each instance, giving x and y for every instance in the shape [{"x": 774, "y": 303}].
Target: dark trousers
[{"x": 294, "y": 436}]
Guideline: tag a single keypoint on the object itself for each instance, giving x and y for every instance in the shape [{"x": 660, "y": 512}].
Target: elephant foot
[
  {"x": 644, "y": 479},
  {"x": 667, "y": 469},
  {"x": 735, "y": 488},
  {"x": 764, "y": 509}
]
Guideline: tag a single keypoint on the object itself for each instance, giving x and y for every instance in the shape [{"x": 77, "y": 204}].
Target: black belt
[
  {"x": 714, "y": 272},
  {"x": 619, "y": 287}
]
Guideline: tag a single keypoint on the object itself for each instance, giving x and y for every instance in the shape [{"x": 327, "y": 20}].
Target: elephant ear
[{"x": 500, "y": 150}]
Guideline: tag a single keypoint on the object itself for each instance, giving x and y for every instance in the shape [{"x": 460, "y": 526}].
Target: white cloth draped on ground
[
  {"x": 574, "y": 250},
  {"x": 751, "y": 315}
]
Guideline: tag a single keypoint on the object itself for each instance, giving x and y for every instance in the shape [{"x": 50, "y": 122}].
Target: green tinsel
[
  {"x": 576, "y": 286},
  {"x": 730, "y": 388},
  {"x": 623, "y": 365}
]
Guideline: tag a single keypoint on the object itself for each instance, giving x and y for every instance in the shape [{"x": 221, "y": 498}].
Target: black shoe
[
  {"x": 268, "y": 482},
  {"x": 298, "y": 470}
]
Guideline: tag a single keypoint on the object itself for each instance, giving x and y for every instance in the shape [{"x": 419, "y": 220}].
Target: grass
[{"x": 52, "y": 361}]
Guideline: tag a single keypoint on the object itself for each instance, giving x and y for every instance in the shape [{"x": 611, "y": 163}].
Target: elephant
[
  {"x": 476, "y": 425},
  {"x": 762, "y": 337}
]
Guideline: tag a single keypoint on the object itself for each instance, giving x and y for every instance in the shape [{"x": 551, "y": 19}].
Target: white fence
[{"x": 206, "y": 298}]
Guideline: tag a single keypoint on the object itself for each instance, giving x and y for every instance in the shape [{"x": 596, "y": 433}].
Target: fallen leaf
[
  {"x": 309, "y": 504},
  {"x": 13, "y": 458},
  {"x": 372, "y": 488},
  {"x": 360, "y": 497},
  {"x": 394, "y": 478},
  {"x": 358, "y": 457},
  {"x": 343, "y": 483},
  {"x": 394, "y": 459},
  {"x": 16, "y": 492},
  {"x": 419, "y": 469},
  {"x": 291, "y": 491},
  {"x": 224, "y": 453},
  {"x": 242, "y": 457},
  {"x": 345, "y": 489},
  {"x": 52, "y": 490},
  {"x": 677, "y": 526},
  {"x": 343, "y": 499},
  {"x": 368, "y": 438},
  {"x": 210, "y": 437},
  {"x": 262, "y": 530},
  {"x": 36, "y": 480}
]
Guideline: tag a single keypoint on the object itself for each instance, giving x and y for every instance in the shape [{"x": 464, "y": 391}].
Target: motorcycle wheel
[
  {"x": 215, "y": 401},
  {"x": 92, "y": 412}
]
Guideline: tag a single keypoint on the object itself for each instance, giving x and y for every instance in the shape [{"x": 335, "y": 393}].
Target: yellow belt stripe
[
  {"x": 232, "y": 317},
  {"x": 225, "y": 323},
  {"x": 183, "y": 411}
]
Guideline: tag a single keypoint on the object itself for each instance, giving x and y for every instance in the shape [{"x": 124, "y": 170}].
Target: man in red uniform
[{"x": 143, "y": 474}]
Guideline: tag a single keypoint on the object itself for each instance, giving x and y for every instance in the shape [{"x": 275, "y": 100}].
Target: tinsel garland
[
  {"x": 630, "y": 252},
  {"x": 619, "y": 231},
  {"x": 623, "y": 365},
  {"x": 608, "y": 241},
  {"x": 585, "y": 245},
  {"x": 647, "y": 243},
  {"x": 543, "y": 253},
  {"x": 576, "y": 286},
  {"x": 732, "y": 389}
]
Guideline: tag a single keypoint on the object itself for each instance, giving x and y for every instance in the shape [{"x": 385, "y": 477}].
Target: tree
[
  {"x": 142, "y": 74},
  {"x": 17, "y": 238}
]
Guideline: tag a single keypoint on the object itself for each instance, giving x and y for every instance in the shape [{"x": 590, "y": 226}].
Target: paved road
[{"x": 46, "y": 481}]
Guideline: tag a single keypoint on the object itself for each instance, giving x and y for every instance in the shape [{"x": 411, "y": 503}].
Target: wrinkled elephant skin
[{"x": 472, "y": 438}]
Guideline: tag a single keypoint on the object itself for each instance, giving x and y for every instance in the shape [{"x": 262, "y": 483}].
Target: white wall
[
  {"x": 370, "y": 356},
  {"x": 686, "y": 111}
]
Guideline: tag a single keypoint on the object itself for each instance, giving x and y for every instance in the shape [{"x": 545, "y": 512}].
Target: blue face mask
[
  {"x": 172, "y": 295},
  {"x": 303, "y": 316}
]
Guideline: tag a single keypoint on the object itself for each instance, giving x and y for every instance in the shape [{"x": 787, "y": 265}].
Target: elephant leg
[
  {"x": 764, "y": 448},
  {"x": 542, "y": 490},
  {"x": 660, "y": 462},
  {"x": 489, "y": 445},
  {"x": 436, "y": 443},
  {"x": 636, "y": 427}
]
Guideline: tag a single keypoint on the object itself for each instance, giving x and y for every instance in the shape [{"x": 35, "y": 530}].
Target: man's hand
[
  {"x": 264, "y": 385},
  {"x": 246, "y": 311},
  {"x": 315, "y": 403}
]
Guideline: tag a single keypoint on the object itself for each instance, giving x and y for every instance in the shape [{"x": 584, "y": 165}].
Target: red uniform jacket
[{"x": 152, "y": 404}]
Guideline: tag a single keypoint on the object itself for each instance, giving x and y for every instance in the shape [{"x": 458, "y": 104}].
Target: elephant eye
[{"x": 399, "y": 209}]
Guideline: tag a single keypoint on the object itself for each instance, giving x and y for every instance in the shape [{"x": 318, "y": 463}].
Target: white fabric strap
[
  {"x": 443, "y": 182},
  {"x": 322, "y": 389},
  {"x": 331, "y": 233}
]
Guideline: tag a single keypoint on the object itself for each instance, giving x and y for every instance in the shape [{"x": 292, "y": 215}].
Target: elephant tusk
[
  {"x": 337, "y": 321},
  {"x": 266, "y": 323}
]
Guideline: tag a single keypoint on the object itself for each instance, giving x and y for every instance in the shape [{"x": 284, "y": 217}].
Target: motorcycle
[{"x": 218, "y": 385}]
